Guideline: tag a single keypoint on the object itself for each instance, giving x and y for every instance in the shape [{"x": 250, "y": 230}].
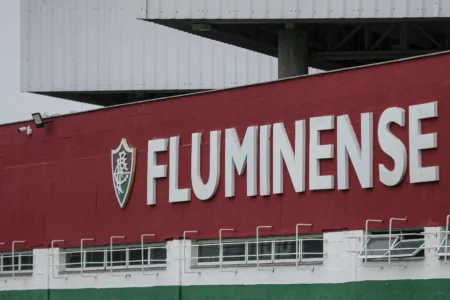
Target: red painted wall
[{"x": 56, "y": 184}]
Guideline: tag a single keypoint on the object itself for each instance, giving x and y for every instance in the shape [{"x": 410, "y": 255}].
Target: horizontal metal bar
[{"x": 368, "y": 55}]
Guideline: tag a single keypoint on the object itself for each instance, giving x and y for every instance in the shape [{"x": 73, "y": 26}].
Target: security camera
[{"x": 23, "y": 129}]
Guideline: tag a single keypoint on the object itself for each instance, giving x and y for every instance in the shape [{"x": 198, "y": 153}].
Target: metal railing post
[
  {"x": 53, "y": 259},
  {"x": 149, "y": 253},
  {"x": 366, "y": 237},
  {"x": 13, "y": 250},
  {"x": 390, "y": 234},
  {"x": 111, "y": 240},
  {"x": 83, "y": 258},
  {"x": 1, "y": 272},
  {"x": 297, "y": 255},
  {"x": 447, "y": 232},
  {"x": 184, "y": 250},
  {"x": 257, "y": 246},
  {"x": 221, "y": 249}
]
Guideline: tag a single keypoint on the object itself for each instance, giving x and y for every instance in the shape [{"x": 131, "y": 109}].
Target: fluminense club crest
[{"x": 123, "y": 162}]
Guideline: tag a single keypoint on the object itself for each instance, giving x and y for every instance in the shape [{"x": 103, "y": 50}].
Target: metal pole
[
  {"x": 366, "y": 239},
  {"x": 221, "y": 249},
  {"x": 390, "y": 234},
  {"x": 297, "y": 256},
  {"x": 257, "y": 244},
  {"x": 13, "y": 250},
  {"x": 2, "y": 244},
  {"x": 82, "y": 257},
  {"x": 447, "y": 232},
  {"x": 184, "y": 249},
  {"x": 142, "y": 253},
  {"x": 53, "y": 258},
  {"x": 111, "y": 239}
]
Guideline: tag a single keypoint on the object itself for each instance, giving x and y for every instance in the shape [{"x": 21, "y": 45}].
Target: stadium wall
[
  {"x": 342, "y": 276},
  {"x": 57, "y": 185}
]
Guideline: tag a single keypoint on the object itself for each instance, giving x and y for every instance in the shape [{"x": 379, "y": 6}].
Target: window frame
[
  {"x": 416, "y": 251},
  {"x": 107, "y": 252},
  {"x": 19, "y": 265},
  {"x": 397, "y": 237},
  {"x": 92, "y": 250},
  {"x": 311, "y": 260},
  {"x": 249, "y": 241},
  {"x": 368, "y": 238},
  {"x": 252, "y": 241},
  {"x": 285, "y": 260},
  {"x": 195, "y": 247}
]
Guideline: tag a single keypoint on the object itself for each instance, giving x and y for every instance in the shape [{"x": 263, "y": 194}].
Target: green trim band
[{"x": 433, "y": 289}]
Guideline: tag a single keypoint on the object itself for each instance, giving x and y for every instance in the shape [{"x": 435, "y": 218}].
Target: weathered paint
[{"x": 56, "y": 184}]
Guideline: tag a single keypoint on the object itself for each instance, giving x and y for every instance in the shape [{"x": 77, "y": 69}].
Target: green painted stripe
[{"x": 433, "y": 289}]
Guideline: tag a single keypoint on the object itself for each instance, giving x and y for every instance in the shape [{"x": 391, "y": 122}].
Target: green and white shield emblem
[{"x": 123, "y": 162}]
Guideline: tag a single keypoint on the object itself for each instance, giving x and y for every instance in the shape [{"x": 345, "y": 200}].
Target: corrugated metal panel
[
  {"x": 95, "y": 45},
  {"x": 296, "y": 9}
]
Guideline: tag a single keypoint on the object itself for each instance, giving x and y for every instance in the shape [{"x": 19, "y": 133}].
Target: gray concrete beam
[{"x": 293, "y": 57}]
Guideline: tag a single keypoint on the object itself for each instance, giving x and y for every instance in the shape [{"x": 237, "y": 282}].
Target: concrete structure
[
  {"x": 340, "y": 276},
  {"x": 285, "y": 227},
  {"x": 340, "y": 33},
  {"x": 101, "y": 52}
]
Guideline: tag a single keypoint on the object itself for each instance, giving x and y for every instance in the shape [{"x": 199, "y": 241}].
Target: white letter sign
[
  {"x": 318, "y": 152},
  {"x": 295, "y": 162},
  {"x": 280, "y": 153},
  {"x": 348, "y": 147},
  {"x": 176, "y": 194},
  {"x": 241, "y": 157},
  {"x": 264, "y": 160},
  {"x": 205, "y": 191},
  {"x": 392, "y": 146},
  {"x": 153, "y": 170},
  {"x": 419, "y": 141}
]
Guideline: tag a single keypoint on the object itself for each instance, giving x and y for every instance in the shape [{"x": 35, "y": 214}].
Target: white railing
[
  {"x": 221, "y": 249},
  {"x": 394, "y": 239},
  {"x": 16, "y": 264},
  {"x": 251, "y": 252},
  {"x": 447, "y": 233},
  {"x": 394, "y": 243},
  {"x": 297, "y": 244},
  {"x": 185, "y": 258},
  {"x": 257, "y": 246},
  {"x": 265, "y": 253},
  {"x": 224, "y": 253},
  {"x": 109, "y": 258},
  {"x": 445, "y": 243},
  {"x": 55, "y": 276},
  {"x": 121, "y": 251},
  {"x": 143, "y": 247}
]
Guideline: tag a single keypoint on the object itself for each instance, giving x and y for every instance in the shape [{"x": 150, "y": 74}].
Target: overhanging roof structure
[
  {"x": 101, "y": 52},
  {"x": 341, "y": 33}
]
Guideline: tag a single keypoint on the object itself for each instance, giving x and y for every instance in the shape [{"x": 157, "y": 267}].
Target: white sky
[{"x": 14, "y": 105}]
